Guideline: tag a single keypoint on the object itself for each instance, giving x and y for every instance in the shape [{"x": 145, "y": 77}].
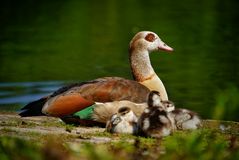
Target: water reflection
[{"x": 24, "y": 92}]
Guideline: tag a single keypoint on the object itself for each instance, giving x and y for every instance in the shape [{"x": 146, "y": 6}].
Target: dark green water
[{"x": 79, "y": 40}]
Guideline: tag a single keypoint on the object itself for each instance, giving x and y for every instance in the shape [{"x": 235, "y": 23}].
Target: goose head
[
  {"x": 140, "y": 46},
  {"x": 150, "y": 41}
]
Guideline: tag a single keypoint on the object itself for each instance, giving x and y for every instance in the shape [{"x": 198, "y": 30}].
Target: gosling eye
[{"x": 150, "y": 37}]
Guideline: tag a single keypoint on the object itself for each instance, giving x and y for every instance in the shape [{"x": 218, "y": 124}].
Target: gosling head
[
  {"x": 147, "y": 40},
  {"x": 154, "y": 99},
  {"x": 127, "y": 114},
  {"x": 168, "y": 105}
]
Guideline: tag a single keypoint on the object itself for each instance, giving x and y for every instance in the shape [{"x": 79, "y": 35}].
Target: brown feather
[
  {"x": 107, "y": 89},
  {"x": 65, "y": 104}
]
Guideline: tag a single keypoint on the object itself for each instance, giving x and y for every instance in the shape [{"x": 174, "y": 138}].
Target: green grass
[{"x": 202, "y": 144}]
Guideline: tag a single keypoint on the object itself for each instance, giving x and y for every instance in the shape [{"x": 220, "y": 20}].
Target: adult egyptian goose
[{"x": 76, "y": 97}]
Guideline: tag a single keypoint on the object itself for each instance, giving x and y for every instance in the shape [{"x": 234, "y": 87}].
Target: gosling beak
[
  {"x": 164, "y": 47},
  {"x": 116, "y": 121}
]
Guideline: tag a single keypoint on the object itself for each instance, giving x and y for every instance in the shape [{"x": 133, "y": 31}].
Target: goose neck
[
  {"x": 143, "y": 72},
  {"x": 140, "y": 65}
]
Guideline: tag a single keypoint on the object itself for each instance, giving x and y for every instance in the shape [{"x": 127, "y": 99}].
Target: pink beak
[{"x": 165, "y": 47}]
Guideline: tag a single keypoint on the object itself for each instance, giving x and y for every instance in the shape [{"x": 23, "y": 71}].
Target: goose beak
[{"x": 165, "y": 47}]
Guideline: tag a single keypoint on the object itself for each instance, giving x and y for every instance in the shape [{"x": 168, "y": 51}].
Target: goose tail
[{"x": 33, "y": 108}]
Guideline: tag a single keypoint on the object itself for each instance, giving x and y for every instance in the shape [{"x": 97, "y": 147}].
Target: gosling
[
  {"x": 154, "y": 121},
  {"x": 183, "y": 119},
  {"x": 124, "y": 121}
]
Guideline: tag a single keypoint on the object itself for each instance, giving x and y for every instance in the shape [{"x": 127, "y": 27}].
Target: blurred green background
[{"x": 77, "y": 40}]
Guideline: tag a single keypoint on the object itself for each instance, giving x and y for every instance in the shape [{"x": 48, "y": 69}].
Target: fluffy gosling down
[
  {"x": 159, "y": 119},
  {"x": 155, "y": 121},
  {"x": 124, "y": 121}
]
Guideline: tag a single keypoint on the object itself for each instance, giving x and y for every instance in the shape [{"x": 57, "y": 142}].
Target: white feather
[{"x": 146, "y": 124}]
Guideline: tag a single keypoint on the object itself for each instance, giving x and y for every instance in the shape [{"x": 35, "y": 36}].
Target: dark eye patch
[
  {"x": 124, "y": 110},
  {"x": 150, "y": 37}
]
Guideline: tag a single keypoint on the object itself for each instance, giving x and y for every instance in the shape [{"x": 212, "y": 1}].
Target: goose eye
[{"x": 150, "y": 37}]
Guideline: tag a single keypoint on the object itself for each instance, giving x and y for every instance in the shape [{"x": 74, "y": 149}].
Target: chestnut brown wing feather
[
  {"x": 113, "y": 89},
  {"x": 77, "y": 97}
]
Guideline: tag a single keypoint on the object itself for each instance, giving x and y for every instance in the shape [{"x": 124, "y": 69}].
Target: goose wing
[{"x": 76, "y": 97}]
